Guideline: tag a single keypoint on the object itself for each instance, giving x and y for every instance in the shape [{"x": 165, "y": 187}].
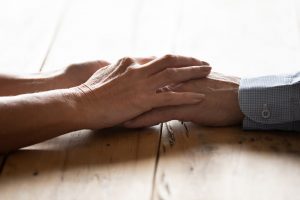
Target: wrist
[
  {"x": 62, "y": 108},
  {"x": 75, "y": 109},
  {"x": 83, "y": 102},
  {"x": 91, "y": 106}
]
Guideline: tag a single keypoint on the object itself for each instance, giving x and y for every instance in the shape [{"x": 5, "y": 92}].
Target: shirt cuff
[{"x": 270, "y": 102}]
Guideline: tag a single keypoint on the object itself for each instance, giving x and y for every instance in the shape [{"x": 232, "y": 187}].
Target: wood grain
[
  {"x": 84, "y": 165},
  {"x": 109, "y": 164},
  {"x": 226, "y": 163},
  {"x": 241, "y": 38},
  {"x": 181, "y": 162}
]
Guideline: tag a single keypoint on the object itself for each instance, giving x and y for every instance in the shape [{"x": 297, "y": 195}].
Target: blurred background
[{"x": 239, "y": 37}]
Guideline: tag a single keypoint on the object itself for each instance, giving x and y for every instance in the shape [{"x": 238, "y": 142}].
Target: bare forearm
[
  {"x": 71, "y": 76},
  {"x": 11, "y": 85},
  {"x": 32, "y": 118}
]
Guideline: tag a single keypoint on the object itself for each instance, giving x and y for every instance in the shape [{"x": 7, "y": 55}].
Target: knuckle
[
  {"x": 131, "y": 70},
  {"x": 125, "y": 58},
  {"x": 169, "y": 57},
  {"x": 126, "y": 61}
]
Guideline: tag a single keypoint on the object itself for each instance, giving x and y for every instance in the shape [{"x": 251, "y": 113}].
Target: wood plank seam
[
  {"x": 156, "y": 161},
  {"x": 2, "y": 163},
  {"x": 56, "y": 31}
]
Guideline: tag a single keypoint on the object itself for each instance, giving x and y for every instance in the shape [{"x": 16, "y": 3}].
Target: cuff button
[{"x": 265, "y": 113}]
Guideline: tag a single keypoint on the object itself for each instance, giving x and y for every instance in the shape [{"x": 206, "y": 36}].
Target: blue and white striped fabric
[{"x": 271, "y": 102}]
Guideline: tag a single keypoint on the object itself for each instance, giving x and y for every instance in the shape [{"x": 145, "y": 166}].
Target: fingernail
[
  {"x": 206, "y": 67},
  {"x": 205, "y": 63}
]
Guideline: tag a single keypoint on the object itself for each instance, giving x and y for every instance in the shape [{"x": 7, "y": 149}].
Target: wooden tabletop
[{"x": 173, "y": 160}]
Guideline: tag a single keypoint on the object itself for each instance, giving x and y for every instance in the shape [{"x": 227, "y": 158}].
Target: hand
[
  {"x": 219, "y": 108},
  {"x": 119, "y": 92},
  {"x": 77, "y": 74}
]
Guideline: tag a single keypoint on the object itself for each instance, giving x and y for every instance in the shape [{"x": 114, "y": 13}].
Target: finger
[
  {"x": 144, "y": 60},
  {"x": 123, "y": 64},
  {"x": 175, "y": 98},
  {"x": 171, "y": 61},
  {"x": 119, "y": 68},
  {"x": 178, "y": 75},
  {"x": 102, "y": 63},
  {"x": 157, "y": 116},
  {"x": 164, "y": 89}
]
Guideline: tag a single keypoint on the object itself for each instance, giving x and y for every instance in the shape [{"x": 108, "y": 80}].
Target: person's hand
[
  {"x": 119, "y": 92},
  {"x": 76, "y": 74},
  {"x": 219, "y": 108}
]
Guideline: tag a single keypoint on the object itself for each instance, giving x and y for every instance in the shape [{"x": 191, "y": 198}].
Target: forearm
[
  {"x": 32, "y": 118},
  {"x": 11, "y": 85}
]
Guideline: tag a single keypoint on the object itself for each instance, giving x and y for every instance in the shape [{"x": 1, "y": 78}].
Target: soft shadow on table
[
  {"x": 192, "y": 137},
  {"x": 84, "y": 149},
  {"x": 123, "y": 147}
]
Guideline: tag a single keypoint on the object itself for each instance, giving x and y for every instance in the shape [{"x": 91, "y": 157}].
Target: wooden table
[{"x": 173, "y": 160}]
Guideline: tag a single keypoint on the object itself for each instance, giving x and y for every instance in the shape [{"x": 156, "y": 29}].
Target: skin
[
  {"x": 112, "y": 95},
  {"x": 219, "y": 108},
  {"x": 70, "y": 76}
]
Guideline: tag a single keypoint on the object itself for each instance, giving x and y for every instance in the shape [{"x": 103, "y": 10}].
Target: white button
[{"x": 265, "y": 113}]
